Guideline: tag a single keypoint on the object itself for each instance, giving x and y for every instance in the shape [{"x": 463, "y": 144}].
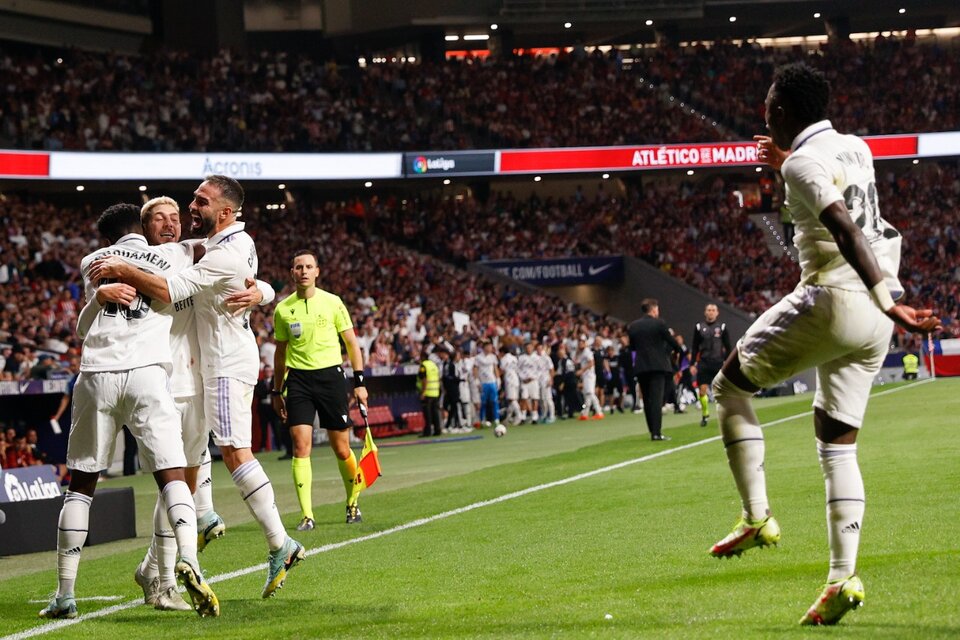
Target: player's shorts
[
  {"x": 228, "y": 409},
  {"x": 839, "y": 332},
  {"x": 706, "y": 372},
  {"x": 530, "y": 390},
  {"x": 193, "y": 427},
  {"x": 511, "y": 387},
  {"x": 589, "y": 384},
  {"x": 319, "y": 392},
  {"x": 104, "y": 401}
]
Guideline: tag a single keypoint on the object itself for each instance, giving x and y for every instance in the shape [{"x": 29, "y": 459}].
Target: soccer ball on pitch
[{"x": 500, "y": 431}]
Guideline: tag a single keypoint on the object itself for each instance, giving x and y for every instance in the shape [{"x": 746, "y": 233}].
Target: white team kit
[
  {"x": 230, "y": 361},
  {"x": 511, "y": 380},
  {"x": 528, "y": 368},
  {"x": 589, "y": 377},
  {"x": 124, "y": 368},
  {"x": 830, "y": 321}
]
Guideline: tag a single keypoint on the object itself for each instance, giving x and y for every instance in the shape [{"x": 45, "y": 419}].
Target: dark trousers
[
  {"x": 571, "y": 397},
  {"x": 652, "y": 385},
  {"x": 431, "y": 415},
  {"x": 451, "y": 403},
  {"x": 281, "y": 432}
]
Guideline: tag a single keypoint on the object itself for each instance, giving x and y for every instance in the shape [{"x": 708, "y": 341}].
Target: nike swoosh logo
[{"x": 595, "y": 270}]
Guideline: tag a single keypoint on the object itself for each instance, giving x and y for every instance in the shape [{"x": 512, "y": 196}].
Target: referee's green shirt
[{"x": 311, "y": 328}]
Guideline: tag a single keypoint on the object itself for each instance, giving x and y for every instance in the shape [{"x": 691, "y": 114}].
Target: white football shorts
[
  {"x": 193, "y": 427},
  {"x": 228, "y": 407},
  {"x": 511, "y": 386},
  {"x": 840, "y": 332},
  {"x": 104, "y": 401},
  {"x": 530, "y": 390}
]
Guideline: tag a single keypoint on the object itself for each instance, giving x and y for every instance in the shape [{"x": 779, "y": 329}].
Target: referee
[
  {"x": 309, "y": 379},
  {"x": 711, "y": 346}
]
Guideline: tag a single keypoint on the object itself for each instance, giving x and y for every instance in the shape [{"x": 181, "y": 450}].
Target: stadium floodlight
[
  {"x": 567, "y": 25},
  {"x": 446, "y": 181},
  {"x": 759, "y": 169},
  {"x": 281, "y": 186},
  {"x": 368, "y": 184},
  {"x": 689, "y": 172},
  {"x": 476, "y": 36},
  {"x": 494, "y": 27},
  {"x": 733, "y": 18},
  {"x": 605, "y": 176},
  {"x": 902, "y": 11},
  {"x": 649, "y": 23},
  {"x": 916, "y": 161},
  {"x": 537, "y": 178},
  {"x": 816, "y": 15},
  {"x": 80, "y": 187},
  {"x": 452, "y": 38},
  {"x": 142, "y": 187}
]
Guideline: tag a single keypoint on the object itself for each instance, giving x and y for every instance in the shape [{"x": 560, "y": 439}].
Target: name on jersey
[
  {"x": 852, "y": 158},
  {"x": 183, "y": 304},
  {"x": 138, "y": 256}
]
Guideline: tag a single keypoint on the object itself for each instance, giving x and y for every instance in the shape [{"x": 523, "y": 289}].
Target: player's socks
[
  {"x": 163, "y": 547},
  {"x": 743, "y": 441},
  {"x": 303, "y": 482},
  {"x": 178, "y": 504},
  {"x": 705, "y": 405},
  {"x": 203, "y": 498},
  {"x": 257, "y": 493},
  {"x": 348, "y": 472},
  {"x": 72, "y": 530},
  {"x": 845, "y": 505}
]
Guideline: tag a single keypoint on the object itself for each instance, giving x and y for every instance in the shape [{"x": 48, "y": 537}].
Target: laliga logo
[{"x": 422, "y": 164}]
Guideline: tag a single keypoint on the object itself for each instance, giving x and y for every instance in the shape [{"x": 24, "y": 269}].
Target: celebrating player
[{"x": 839, "y": 320}]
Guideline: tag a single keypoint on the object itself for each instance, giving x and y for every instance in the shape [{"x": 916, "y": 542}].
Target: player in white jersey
[
  {"x": 464, "y": 368},
  {"x": 230, "y": 358},
  {"x": 545, "y": 377},
  {"x": 586, "y": 369},
  {"x": 487, "y": 370},
  {"x": 839, "y": 319},
  {"x": 528, "y": 368},
  {"x": 123, "y": 380},
  {"x": 511, "y": 386}
]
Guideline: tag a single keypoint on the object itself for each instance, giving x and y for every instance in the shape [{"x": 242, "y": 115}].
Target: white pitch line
[
  {"x": 88, "y": 598},
  {"x": 419, "y": 522}
]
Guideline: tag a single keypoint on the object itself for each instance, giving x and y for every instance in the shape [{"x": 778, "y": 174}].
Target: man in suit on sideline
[{"x": 652, "y": 342}]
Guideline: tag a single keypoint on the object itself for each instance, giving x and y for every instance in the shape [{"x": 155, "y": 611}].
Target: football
[{"x": 500, "y": 431}]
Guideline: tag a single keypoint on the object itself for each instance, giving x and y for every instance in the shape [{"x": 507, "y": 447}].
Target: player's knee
[{"x": 723, "y": 388}]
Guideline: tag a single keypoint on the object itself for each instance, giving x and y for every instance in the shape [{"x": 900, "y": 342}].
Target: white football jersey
[
  {"x": 508, "y": 365},
  {"x": 528, "y": 366},
  {"x": 486, "y": 367},
  {"x": 584, "y": 358},
  {"x": 185, "y": 379},
  {"x": 464, "y": 369},
  {"x": 545, "y": 367},
  {"x": 228, "y": 348},
  {"x": 825, "y": 167},
  {"x": 124, "y": 337}
]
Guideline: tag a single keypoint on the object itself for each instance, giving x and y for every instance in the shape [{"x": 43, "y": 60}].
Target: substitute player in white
[
  {"x": 528, "y": 368},
  {"x": 839, "y": 319},
  {"x": 123, "y": 380},
  {"x": 230, "y": 358},
  {"x": 511, "y": 386},
  {"x": 586, "y": 370}
]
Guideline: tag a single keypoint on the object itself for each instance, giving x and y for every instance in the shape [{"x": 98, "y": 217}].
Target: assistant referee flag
[{"x": 368, "y": 470}]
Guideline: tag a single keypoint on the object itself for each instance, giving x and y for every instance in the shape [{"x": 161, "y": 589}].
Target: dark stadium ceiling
[{"x": 542, "y": 22}]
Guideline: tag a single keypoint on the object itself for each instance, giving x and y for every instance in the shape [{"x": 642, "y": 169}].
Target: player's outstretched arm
[
  {"x": 769, "y": 153},
  {"x": 256, "y": 293},
  {"x": 115, "y": 268}
]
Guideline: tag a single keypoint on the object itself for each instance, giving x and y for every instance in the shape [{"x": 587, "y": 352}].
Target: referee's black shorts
[
  {"x": 707, "y": 371},
  {"x": 320, "y": 392}
]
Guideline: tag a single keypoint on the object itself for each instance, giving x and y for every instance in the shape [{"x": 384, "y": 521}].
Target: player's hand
[
  {"x": 250, "y": 297},
  {"x": 117, "y": 292},
  {"x": 280, "y": 407},
  {"x": 360, "y": 393},
  {"x": 110, "y": 268},
  {"x": 769, "y": 153},
  {"x": 914, "y": 320}
]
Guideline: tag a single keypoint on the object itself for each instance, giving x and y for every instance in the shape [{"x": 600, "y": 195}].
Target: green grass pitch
[{"x": 604, "y": 551}]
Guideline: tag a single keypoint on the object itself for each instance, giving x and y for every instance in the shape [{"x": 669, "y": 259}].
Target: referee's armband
[{"x": 358, "y": 380}]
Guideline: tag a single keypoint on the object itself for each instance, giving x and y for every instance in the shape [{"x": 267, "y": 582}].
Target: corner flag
[{"x": 368, "y": 469}]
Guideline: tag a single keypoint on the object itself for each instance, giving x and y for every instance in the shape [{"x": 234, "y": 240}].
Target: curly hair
[
  {"x": 805, "y": 89},
  {"x": 118, "y": 220}
]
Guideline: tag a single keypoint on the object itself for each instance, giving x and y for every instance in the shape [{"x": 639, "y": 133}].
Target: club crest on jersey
[{"x": 296, "y": 329}]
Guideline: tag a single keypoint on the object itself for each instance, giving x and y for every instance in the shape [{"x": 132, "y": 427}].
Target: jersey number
[
  {"x": 863, "y": 207},
  {"x": 134, "y": 311}
]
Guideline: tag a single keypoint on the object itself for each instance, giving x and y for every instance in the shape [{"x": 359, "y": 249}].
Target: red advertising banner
[
  {"x": 893, "y": 146},
  {"x": 20, "y": 164}
]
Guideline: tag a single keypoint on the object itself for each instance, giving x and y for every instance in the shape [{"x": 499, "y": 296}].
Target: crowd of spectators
[{"x": 274, "y": 101}]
